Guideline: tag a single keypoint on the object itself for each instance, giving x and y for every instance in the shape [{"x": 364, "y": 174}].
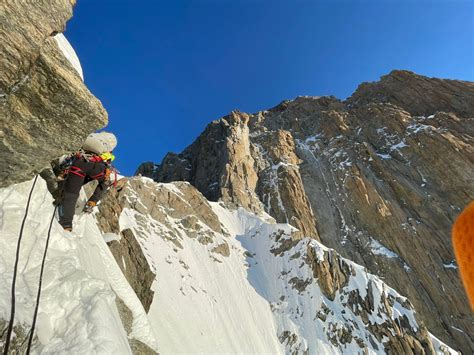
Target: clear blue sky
[{"x": 165, "y": 69}]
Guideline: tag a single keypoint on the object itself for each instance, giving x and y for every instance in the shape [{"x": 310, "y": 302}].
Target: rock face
[
  {"x": 334, "y": 273},
  {"x": 19, "y": 342},
  {"x": 126, "y": 251},
  {"x": 379, "y": 177},
  {"x": 375, "y": 306},
  {"x": 219, "y": 163},
  {"x": 45, "y": 108},
  {"x": 224, "y": 164}
]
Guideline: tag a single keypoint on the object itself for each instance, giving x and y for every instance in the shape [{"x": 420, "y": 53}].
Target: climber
[{"x": 91, "y": 162}]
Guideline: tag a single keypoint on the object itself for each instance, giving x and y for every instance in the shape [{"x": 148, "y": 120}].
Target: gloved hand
[{"x": 89, "y": 206}]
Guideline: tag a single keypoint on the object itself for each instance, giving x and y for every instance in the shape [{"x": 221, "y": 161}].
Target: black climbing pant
[{"x": 80, "y": 173}]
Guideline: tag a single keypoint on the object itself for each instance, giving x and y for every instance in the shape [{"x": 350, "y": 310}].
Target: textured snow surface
[
  {"x": 204, "y": 302},
  {"x": 245, "y": 303},
  {"x": 77, "y": 314},
  {"x": 69, "y": 53}
]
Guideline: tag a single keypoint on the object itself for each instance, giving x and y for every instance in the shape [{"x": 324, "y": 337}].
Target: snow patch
[
  {"x": 384, "y": 156},
  {"x": 451, "y": 265},
  {"x": 173, "y": 188},
  {"x": 69, "y": 53},
  {"x": 378, "y": 249},
  {"x": 109, "y": 237},
  {"x": 400, "y": 145},
  {"x": 280, "y": 164},
  {"x": 313, "y": 138}
]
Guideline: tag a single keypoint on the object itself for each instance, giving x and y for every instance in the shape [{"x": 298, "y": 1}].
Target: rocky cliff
[
  {"x": 379, "y": 177},
  {"x": 45, "y": 108}
]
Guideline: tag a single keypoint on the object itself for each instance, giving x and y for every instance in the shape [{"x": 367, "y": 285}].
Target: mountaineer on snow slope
[{"x": 71, "y": 172}]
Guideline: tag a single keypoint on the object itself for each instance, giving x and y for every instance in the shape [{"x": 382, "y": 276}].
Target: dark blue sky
[{"x": 165, "y": 69}]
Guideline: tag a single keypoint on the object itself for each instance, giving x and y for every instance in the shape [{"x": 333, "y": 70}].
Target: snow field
[
  {"x": 251, "y": 301},
  {"x": 245, "y": 303},
  {"x": 203, "y": 303},
  {"x": 77, "y": 312}
]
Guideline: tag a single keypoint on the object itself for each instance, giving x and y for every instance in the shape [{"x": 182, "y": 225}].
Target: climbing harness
[
  {"x": 76, "y": 171},
  {"x": 65, "y": 165},
  {"x": 15, "y": 272}
]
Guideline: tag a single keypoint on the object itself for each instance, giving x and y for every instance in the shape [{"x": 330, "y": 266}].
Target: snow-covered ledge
[{"x": 69, "y": 53}]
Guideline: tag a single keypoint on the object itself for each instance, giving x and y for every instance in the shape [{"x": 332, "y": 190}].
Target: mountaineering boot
[
  {"x": 58, "y": 194},
  {"x": 55, "y": 186},
  {"x": 48, "y": 175},
  {"x": 66, "y": 227}
]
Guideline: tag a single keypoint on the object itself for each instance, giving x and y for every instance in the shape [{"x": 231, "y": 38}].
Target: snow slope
[
  {"x": 77, "y": 313},
  {"x": 257, "y": 295},
  {"x": 203, "y": 302},
  {"x": 256, "y": 300}
]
